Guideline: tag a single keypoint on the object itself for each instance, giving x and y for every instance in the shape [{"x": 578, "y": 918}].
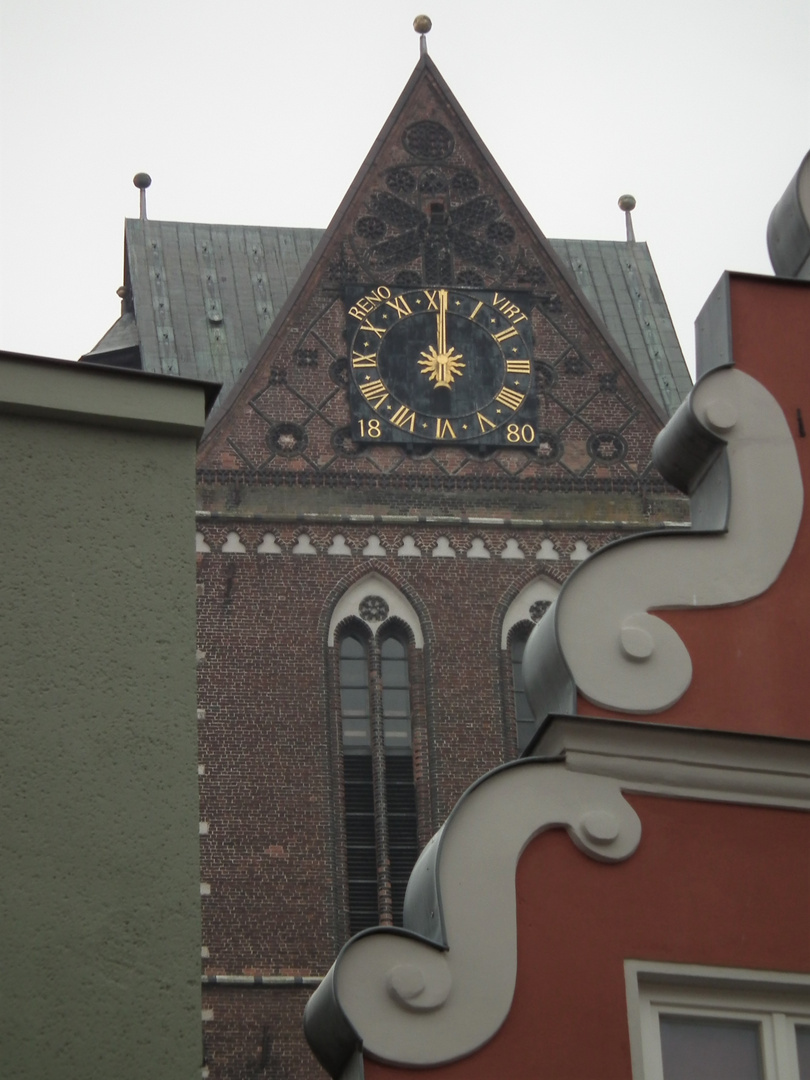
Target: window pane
[
  {"x": 354, "y": 699},
  {"x": 395, "y": 673},
  {"x": 356, "y": 736},
  {"x": 803, "y": 1047},
  {"x": 396, "y": 694},
  {"x": 397, "y": 734},
  {"x": 392, "y": 648},
  {"x": 351, "y": 646},
  {"x": 396, "y": 702},
  {"x": 354, "y": 672},
  {"x": 696, "y": 1049}
]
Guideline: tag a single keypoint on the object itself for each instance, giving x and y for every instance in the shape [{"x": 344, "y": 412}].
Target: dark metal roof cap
[{"x": 789, "y": 227}]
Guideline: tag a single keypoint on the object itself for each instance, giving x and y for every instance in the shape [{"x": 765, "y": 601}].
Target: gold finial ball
[
  {"x": 422, "y": 24},
  {"x": 627, "y": 202}
]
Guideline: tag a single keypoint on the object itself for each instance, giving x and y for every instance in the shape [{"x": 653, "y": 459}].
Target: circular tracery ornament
[
  {"x": 400, "y": 181},
  {"x": 373, "y": 609},
  {"x": 287, "y": 438},
  {"x": 607, "y": 446},
  {"x": 432, "y": 183},
  {"x": 306, "y": 357},
  {"x": 548, "y": 447},
  {"x": 343, "y": 442},
  {"x": 339, "y": 371},
  {"x": 545, "y": 373},
  {"x": 370, "y": 228},
  {"x": 538, "y": 609},
  {"x": 428, "y": 140},
  {"x": 464, "y": 183}
]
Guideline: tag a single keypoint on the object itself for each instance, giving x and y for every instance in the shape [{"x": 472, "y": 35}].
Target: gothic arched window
[
  {"x": 358, "y": 784},
  {"x": 379, "y": 791},
  {"x": 525, "y": 610}
]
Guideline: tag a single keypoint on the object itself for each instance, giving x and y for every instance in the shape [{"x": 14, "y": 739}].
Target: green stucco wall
[{"x": 99, "y": 905}]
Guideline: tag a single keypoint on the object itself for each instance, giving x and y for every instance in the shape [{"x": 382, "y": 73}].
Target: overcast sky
[{"x": 258, "y": 112}]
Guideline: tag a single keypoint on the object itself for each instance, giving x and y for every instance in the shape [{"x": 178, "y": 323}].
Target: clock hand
[
  {"x": 441, "y": 336},
  {"x": 441, "y": 365}
]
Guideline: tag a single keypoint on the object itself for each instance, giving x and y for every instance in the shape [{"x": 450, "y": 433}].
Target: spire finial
[
  {"x": 628, "y": 204},
  {"x": 142, "y": 181},
  {"x": 422, "y": 25}
]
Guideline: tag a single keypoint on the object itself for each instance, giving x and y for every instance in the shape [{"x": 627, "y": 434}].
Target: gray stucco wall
[{"x": 99, "y": 905}]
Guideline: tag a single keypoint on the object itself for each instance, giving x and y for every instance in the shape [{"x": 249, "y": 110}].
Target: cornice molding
[{"x": 678, "y": 762}]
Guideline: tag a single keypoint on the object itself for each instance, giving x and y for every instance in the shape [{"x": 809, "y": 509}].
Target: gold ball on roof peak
[
  {"x": 422, "y": 24},
  {"x": 627, "y": 202}
]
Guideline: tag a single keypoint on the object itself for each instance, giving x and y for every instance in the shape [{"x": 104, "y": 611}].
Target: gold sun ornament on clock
[{"x": 440, "y": 364}]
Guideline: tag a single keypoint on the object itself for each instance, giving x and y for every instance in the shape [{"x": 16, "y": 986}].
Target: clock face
[{"x": 440, "y": 366}]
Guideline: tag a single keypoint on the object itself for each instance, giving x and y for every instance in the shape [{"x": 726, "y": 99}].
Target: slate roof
[
  {"x": 199, "y": 299},
  {"x": 619, "y": 281}
]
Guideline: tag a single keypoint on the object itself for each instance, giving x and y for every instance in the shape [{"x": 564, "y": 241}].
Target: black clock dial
[
  {"x": 440, "y": 365},
  {"x": 474, "y": 379}
]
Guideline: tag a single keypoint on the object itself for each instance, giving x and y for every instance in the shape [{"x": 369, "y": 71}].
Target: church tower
[{"x": 431, "y": 414}]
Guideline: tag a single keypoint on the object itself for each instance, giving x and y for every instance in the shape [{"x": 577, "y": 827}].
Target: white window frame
[{"x": 777, "y": 1001}]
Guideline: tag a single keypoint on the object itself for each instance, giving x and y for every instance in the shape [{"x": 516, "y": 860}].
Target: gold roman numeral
[
  {"x": 374, "y": 392},
  {"x": 400, "y": 305},
  {"x": 509, "y": 332},
  {"x": 444, "y": 429},
  {"x": 369, "y": 360},
  {"x": 510, "y": 398},
  {"x": 404, "y": 417},
  {"x": 486, "y": 425},
  {"x": 433, "y": 304},
  {"x": 519, "y": 367},
  {"x": 372, "y": 329},
  {"x": 477, "y": 308}
]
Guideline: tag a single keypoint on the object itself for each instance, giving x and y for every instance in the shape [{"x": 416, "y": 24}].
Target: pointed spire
[
  {"x": 142, "y": 181},
  {"x": 628, "y": 203},
  {"x": 422, "y": 25}
]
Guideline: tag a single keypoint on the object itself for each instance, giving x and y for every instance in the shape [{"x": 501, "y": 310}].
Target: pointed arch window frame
[{"x": 378, "y": 761}]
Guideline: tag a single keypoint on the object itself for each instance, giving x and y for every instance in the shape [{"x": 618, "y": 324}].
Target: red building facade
[{"x": 666, "y": 935}]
